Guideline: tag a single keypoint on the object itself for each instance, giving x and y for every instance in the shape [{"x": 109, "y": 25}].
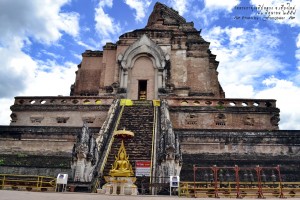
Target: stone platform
[{"x": 119, "y": 186}]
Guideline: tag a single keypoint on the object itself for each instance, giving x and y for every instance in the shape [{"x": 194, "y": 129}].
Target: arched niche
[{"x": 144, "y": 61}]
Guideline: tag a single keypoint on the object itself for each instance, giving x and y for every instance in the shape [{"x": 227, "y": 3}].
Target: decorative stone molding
[
  {"x": 150, "y": 33},
  {"x": 220, "y": 119},
  {"x": 89, "y": 53},
  {"x": 182, "y": 92},
  {"x": 248, "y": 121},
  {"x": 41, "y": 108},
  {"x": 192, "y": 119},
  {"x": 275, "y": 120},
  {"x": 226, "y": 103},
  {"x": 54, "y": 130},
  {"x": 88, "y": 119},
  {"x": 13, "y": 117},
  {"x": 110, "y": 46},
  {"x": 61, "y": 100},
  {"x": 36, "y": 118},
  {"x": 62, "y": 119},
  {"x": 143, "y": 45}
]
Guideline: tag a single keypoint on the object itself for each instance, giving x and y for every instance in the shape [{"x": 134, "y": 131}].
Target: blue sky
[{"x": 258, "y": 46}]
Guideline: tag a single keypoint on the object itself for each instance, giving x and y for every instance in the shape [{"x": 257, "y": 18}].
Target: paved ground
[{"x": 24, "y": 195}]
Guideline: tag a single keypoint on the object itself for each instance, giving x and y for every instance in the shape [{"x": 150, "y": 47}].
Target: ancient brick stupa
[{"x": 160, "y": 82}]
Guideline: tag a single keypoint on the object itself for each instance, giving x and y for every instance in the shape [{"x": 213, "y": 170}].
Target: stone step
[
  {"x": 139, "y": 120},
  {"x": 142, "y": 103}
]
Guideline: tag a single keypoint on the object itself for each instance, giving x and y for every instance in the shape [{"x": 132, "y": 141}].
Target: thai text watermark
[{"x": 285, "y": 11}]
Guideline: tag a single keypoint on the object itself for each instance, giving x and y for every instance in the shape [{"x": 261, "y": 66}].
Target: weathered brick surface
[
  {"x": 243, "y": 148},
  {"x": 37, "y": 150}
]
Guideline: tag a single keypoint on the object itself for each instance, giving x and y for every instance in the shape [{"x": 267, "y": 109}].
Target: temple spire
[{"x": 165, "y": 14}]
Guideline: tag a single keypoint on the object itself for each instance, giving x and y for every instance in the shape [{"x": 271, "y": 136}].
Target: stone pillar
[
  {"x": 159, "y": 79},
  {"x": 134, "y": 190},
  {"x": 107, "y": 189},
  {"x": 125, "y": 79},
  {"x": 114, "y": 186},
  {"x": 122, "y": 187},
  {"x": 164, "y": 79}
]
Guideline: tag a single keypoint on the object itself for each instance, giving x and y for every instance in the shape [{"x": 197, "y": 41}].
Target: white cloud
[
  {"x": 287, "y": 95},
  {"x": 245, "y": 56},
  {"x": 68, "y": 23},
  {"x": 205, "y": 16},
  {"x": 17, "y": 69},
  {"x": 106, "y": 26},
  {"x": 23, "y": 23},
  {"x": 140, "y": 7},
  {"x": 5, "y": 111},
  {"x": 108, "y": 3},
  {"x": 237, "y": 90},
  {"x": 41, "y": 20},
  {"x": 78, "y": 56},
  {"x": 180, "y": 5},
  {"x": 220, "y": 5},
  {"x": 211, "y": 10},
  {"x": 46, "y": 79},
  {"x": 297, "y": 56},
  {"x": 279, "y": 3},
  {"x": 87, "y": 46},
  {"x": 53, "y": 55},
  {"x": 43, "y": 83},
  {"x": 298, "y": 41},
  {"x": 21, "y": 75}
]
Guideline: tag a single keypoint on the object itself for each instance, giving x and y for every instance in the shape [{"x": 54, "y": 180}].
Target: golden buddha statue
[{"x": 121, "y": 166}]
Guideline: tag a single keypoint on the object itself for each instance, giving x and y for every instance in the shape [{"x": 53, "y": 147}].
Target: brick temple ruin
[{"x": 160, "y": 82}]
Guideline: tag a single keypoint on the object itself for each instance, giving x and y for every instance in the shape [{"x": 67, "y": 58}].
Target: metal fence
[
  {"x": 238, "y": 182},
  {"x": 28, "y": 182}
]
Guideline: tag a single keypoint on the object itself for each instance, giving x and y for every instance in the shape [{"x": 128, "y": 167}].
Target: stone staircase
[{"x": 138, "y": 119}]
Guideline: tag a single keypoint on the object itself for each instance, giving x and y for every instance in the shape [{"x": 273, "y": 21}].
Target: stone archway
[
  {"x": 142, "y": 79},
  {"x": 143, "y": 63}
]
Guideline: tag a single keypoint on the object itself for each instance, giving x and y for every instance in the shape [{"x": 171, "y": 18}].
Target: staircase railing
[
  {"x": 109, "y": 141},
  {"x": 156, "y": 103},
  {"x": 153, "y": 152}
]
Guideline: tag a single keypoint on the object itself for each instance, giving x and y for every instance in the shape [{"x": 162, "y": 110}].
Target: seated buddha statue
[{"x": 121, "y": 166}]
